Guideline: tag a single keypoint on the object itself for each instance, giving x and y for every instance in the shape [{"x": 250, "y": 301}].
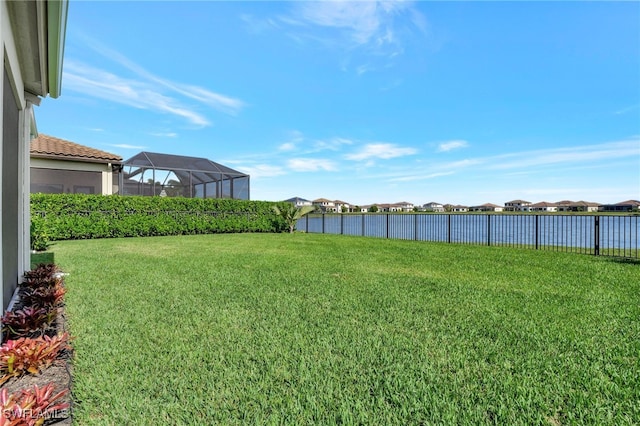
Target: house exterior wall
[
  {"x": 70, "y": 177},
  {"x": 29, "y": 70},
  {"x": 544, "y": 209},
  {"x": 10, "y": 190}
]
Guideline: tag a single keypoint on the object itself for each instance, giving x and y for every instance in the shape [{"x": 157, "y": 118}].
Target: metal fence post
[
  {"x": 449, "y": 228},
  {"x": 415, "y": 226},
  {"x": 488, "y": 229},
  {"x": 323, "y": 214},
  {"x": 387, "y": 225},
  {"x": 596, "y": 235},
  {"x": 307, "y": 225},
  {"x": 537, "y": 231},
  {"x": 341, "y": 223}
]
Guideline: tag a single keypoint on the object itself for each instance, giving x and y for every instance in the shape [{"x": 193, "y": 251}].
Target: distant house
[
  {"x": 487, "y": 207},
  {"x": 341, "y": 206},
  {"x": 395, "y": 207},
  {"x": 577, "y": 206},
  {"x": 59, "y": 166},
  {"x": 405, "y": 206},
  {"x": 433, "y": 207},
  {"x": 299, "y": 202},
  {"x": 458, "y": 208},
  {"x": 543, "y": 206},
  {"x": 624, "y": 206},
  {"x": 517, "y": 206},
  {"x": 325, "y": 205}
]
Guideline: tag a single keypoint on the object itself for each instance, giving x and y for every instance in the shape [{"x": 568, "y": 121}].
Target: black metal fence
[{"x": 614, "y": 235}]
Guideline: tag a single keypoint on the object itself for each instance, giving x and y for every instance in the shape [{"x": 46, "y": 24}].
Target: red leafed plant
[
  {"x": 7, "y": 403},
  {"x": 43, "y": 275},
  {"x": 44, "y": 297},
  {"x": 26, "y": 321},
  {"x": 42, "y": 270},
  {"x": 27, "y": 355},
  {"x": 32, "y": 406}
]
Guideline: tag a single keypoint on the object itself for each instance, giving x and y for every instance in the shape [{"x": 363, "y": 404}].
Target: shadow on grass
[
  {"x": 624, "y": 260},
  {"x": 41, "y": 257}
]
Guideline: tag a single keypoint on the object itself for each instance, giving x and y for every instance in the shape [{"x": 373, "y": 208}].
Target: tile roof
[
  {"x": 628, "y": 203},
  {"x": 544, "y": 204},
  {"x": 50, "y": 147}
]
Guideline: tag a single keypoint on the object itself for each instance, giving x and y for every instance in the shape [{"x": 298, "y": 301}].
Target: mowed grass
[{"x": 321, "y": 329}]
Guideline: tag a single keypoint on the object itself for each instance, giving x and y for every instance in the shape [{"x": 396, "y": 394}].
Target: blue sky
[{"x": 366, "y": 102}]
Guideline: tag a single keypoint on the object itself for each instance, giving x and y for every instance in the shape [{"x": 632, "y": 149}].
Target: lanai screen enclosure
[{"x": 168, "y": 175}]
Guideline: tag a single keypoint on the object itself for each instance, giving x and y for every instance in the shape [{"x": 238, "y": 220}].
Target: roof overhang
[
  {"x": 76, "y": 159},
  {"x": 57, "y": 28},
  {"x": 39, "y": 27}
]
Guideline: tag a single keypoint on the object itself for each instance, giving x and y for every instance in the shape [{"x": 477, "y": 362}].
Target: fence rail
[{"x": 615, "y": 235}]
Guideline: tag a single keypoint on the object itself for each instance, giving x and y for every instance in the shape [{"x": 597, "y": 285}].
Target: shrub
[
  {"x": 39, "y": 237},
  {"x": 79, "y": 216}
]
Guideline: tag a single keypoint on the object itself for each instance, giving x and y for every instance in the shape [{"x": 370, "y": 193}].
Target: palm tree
[{"x": 290, "y": 214}]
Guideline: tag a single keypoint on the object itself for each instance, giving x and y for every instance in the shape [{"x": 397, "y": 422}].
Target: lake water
[{"x": 619, "y": 234}]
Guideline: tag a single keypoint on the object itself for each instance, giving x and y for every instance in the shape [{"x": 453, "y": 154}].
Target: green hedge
[{"x": 77, "y": 216}]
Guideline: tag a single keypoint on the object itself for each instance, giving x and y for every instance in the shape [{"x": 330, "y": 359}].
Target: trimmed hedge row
[{"x": 78, "y": 216}]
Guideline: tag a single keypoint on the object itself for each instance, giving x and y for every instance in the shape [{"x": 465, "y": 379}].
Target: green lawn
[{"x": 320, "y": 329}]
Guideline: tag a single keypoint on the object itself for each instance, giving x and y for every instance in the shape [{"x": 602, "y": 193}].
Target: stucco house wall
[{"x": 32, "y": 38}]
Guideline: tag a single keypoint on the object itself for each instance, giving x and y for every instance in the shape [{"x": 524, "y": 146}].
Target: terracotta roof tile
[{"x": 49, "y": 146}]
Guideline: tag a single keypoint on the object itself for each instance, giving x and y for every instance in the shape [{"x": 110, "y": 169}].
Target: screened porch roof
[{"x": 201, "y": 170}]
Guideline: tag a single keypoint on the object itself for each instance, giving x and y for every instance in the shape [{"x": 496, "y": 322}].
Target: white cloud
[
  {"x": 220, "y": 102},
  {"x": 363, "y": 22},
  {"x": 258, "y": 25},
  {"x": 362, "y": 69},
  {"x": 164, "y": 134},
  {"x": 554, "y": 160},
  {"x": 451, "y": 145},
  {"x": 420, "y": 177},
  {"x": 576, "y": 154},
  {"x": 378, "y": 29},
  {"x": 287, "y": 146},
  {"x": 381, "y": 150},
  {"x": 311, "y": 165},
  {"x": 138, "y": 94},
  {"x": 297, "y": 141},
  {"x": 262, "y": 170},
  {"x": 126, "y": 146},
  {"x": 626, "y": 109},
  {"x": 146, "y": 90},
  {"x": 295, "y": 138},
  {"x": 333, "y": 144}
]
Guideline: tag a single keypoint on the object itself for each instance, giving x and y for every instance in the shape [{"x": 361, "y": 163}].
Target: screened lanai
[{"x": 166, "y": 175}]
